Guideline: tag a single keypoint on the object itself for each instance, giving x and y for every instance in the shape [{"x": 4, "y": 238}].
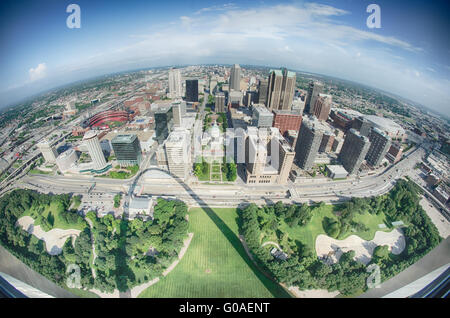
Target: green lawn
[
  {"x": 307, "y": 234},
  {"x": 216, "y": 168},
  {"x": 215, "y": 177},
  {"x": 59, "y": 222},
  {"x": 205, "y": 176},
  {"x": 215, "y": 264}
]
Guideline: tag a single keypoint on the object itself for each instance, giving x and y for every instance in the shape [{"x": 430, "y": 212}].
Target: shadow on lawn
[{"x": 273, "y": 287}]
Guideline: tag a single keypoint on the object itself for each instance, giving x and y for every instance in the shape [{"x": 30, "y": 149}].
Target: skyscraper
[
  {"x": 220, "y": 102},
  {"x": 268, "y": 156},
  {"x": 90, "y": 139},
  {"x": 308, "y": 143},
  {"x": 262, "y": 91},
  {"x": 354, "y": 151},
  {"x": 281, "y": 89},
  {"x": 314, "y": 89},
  {"x": 48, "y": 152},
  {"x": 362, "y": 125},
  {"x": 177, "y": 148},
  {"x": 176, "y": 110},
  {"x": 379, "y": 146},
  {"x": 322, "y": 107},
  {"x": 163, "y": 123},
  {"x": 235, "y": 77},
  {"x": 262, "y": 117},
  {"x": 127, "y": 149},
  {"x": 192, "y": 90},
  {"x": 286, "y": 120},
  {"x": 175, "y": 89}
]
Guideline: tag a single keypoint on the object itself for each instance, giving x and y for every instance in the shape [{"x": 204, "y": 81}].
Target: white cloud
[
  {"x": 308, "y": 37},
  {"x": 38, "y": 73}
]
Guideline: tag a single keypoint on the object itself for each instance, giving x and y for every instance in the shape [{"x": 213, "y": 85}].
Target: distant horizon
[
  {"x": 134, "y": 70},
  {"x": 406, "y": 52}
]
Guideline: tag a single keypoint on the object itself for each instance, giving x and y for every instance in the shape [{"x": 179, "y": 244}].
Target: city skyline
[{"x": 322, "y": 38}]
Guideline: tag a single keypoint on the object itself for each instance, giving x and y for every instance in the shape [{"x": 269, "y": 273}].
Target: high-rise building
[
  {"x": 178, "y": 153},
  {"x": 235, "y": 98},
  {"x": 308, "y": 142},
  {"x": 281, "y": 89},
  {"x": 353, "y": 151},
  {"x": 235, "y": 77},
  {"x": 163, "y": 123},
  {"x": 327, "y": 142},
  {"x": 379, "y": 146},
  {"x": 286, "y": 120},
  {"x": 175, "y": 88},
  {"x": 251, "y": 97},
  {"x": 192, "y": 90},
  {"x": 322, "y": 107},
  {"x": 176, "y": 109},
  {"x": 127, "y": 149},
  {"x": 261, "y": 117},
  {"x": 90, "y": 140},
  {"x": 395, "y": 153},
  {"x": 262, "y": 91},
  {"x": 362, "y": 125},
  {"x": 314, "y": 89},
  {"x": 220, "y": 103},
  {"x": 48, "y": 152},
  {"x": 337, "y": 145},
  {"x": 268, "y": 156}
]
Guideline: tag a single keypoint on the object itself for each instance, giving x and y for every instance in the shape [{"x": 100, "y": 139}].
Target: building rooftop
[
  {"x": 386, "y": 124},
  {"x": 138, "y": 203},
  {"x": 124, "y": 138}
]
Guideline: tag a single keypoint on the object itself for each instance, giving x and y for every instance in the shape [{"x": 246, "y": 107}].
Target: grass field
[
  {"x": 58, "y": 222},
  {"x": 307, "y": 234},
  {"x": 215, "y": 264}
]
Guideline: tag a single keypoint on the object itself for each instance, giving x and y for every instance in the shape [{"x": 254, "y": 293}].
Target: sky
[{"x": 408, "y": 56}]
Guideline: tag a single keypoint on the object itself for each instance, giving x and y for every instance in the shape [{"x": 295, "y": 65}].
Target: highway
[{"x": 231, "y": 195}]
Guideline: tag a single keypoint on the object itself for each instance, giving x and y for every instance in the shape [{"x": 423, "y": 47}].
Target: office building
[
  {"x": 192, "y": 90},
  {"x": 336, "y": 172},
  {"x": 178, "y": 153},
  {"x": 286, "y": 120},
  {"x": 380, "y": 143},
  {"x": 262, "y": 91},
  {"x": 262, "y": 117},
  {"x": 250, "y": 98},
  {"x": 66, "y": 160},
  {"x": 281, "y": 89},
  {"x": 48, "y": 151},
  {"x": 362, "y": 125},
  {"x": 308, "y": 142},
  {"x": 175, "y": 88},
  {"x": 327, "y": 142},
  {"x": 127, "y": 149},
  {"x": 353, "y": 151},
  {"x": 268, "y": 156},
  {"x": 235, "y": 78},
  {"x": 220, "y": 103},
  {"x": 235, "y": 98},
  {"x": 394, "y": 153},
  {"x": 176, "y": 111},
  {"x": 163, "y": 123},
  {"x": 337, "y": 144},
  {"x": 92, "y": 144},
  {"x": 314, "y": 89},
  {"x": 322, "y": 107}
]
